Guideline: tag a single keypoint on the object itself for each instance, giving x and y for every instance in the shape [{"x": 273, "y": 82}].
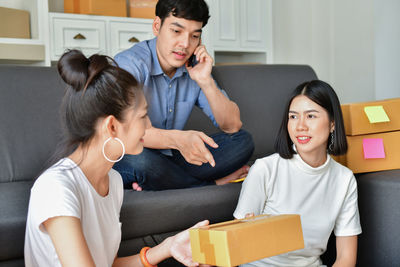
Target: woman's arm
[
  {"x": 69, "y": 241},
  {"x": 177, "y": 246},
  {"x": 346, "y": 250}
]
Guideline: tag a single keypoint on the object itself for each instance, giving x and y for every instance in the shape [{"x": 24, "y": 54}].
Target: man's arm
[{"x": 226, "y": 112}]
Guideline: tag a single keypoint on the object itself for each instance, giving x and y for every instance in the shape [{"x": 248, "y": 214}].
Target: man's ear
[{"x": 156, "y": 25}]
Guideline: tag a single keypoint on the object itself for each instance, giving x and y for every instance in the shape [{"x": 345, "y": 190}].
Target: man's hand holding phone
[{"x": 200, "y": 71}]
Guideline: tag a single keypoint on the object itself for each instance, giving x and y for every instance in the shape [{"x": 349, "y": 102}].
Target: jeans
[{"x": 153, "y": 170}]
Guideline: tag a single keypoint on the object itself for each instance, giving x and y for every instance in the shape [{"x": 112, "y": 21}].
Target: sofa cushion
[
  {"x": 29, "y": 122},
  {"x": 261, "y": 92},
  {"x": 379, "y": 204},
  {"x": 155, "y": 212},
  {"x": 14, "y": 199}
]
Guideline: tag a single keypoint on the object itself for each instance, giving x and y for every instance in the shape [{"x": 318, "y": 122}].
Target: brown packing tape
[{"x": 206, "y": 248}]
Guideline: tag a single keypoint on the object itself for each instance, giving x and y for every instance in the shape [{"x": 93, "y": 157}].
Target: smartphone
[{"x": 192, "y": 61}]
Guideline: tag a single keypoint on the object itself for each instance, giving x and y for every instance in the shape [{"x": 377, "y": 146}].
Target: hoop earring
[
  {"x": 123, "y": 149},
  {"x": 330, "y": 147}
]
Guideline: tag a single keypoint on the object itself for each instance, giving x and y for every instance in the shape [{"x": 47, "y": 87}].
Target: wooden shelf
[{"x": 25, "y": 52}]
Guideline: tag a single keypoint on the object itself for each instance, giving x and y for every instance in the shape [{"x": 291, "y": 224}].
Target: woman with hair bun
[
  {"x": 73, "y": 215},
  {"x": 301, "y": 178}
]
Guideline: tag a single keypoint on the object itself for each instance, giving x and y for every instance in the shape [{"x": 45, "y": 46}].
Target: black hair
[
  {"x": 187, "y": 9},
  {"x": 322, "y": 94},
  {"x": 96, "y": 88}
]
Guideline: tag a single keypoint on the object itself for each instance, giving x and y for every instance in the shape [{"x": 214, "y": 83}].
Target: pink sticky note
[{"x": 373, "y": 148}]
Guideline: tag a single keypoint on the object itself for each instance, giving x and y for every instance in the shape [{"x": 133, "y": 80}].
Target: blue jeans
[{"x": 153, "y": 170}]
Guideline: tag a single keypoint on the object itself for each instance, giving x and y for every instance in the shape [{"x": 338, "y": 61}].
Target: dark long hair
[
  {"x": 323, "y": 94},
  {"x": 187, "y": 9},
  {"x": 96, "y": 88}
]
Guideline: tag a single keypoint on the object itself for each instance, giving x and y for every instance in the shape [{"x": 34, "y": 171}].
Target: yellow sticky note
[{"x": 376, "y": 114}]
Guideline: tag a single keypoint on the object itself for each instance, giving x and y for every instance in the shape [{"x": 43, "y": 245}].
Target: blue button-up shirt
[{"x": 170, "y": 100}]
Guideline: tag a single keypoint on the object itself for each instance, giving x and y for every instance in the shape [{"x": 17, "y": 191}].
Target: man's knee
[{"x": 245, "y": 140}]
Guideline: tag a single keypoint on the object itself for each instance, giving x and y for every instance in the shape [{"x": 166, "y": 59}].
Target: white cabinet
[
  {"x": 95, "y": 34},
  {"x": 239, "y": 25},
  {"x": 225, "y": 24},
  {"x": 253, "y": 23},
  {"x": 124, "y": 34},
  {"x": 69, "y": 32},
  {"x": 240, "y": 31}
]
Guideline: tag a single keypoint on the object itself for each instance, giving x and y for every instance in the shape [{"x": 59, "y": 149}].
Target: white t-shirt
[
  {"x": 64, "y": 190},
  {"x": 325, "y": 197}
]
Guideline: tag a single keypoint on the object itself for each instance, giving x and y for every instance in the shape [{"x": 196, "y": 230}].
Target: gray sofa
[{"x": 29, "y": 131}]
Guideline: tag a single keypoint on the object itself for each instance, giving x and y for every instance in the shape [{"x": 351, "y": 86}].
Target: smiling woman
[
  {"x": 303, "y": 179},
  {"x": 74, "y": 206}
]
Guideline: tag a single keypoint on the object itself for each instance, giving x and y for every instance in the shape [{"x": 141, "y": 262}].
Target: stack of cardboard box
[
  {"x": 118, "y": 8},
  {"x": 373, "y": 136}
]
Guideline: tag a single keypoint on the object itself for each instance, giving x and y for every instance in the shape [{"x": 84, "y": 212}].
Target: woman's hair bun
[{"x": 73, "y": 68}]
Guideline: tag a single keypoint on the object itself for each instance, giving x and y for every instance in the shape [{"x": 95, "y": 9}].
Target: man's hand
[
  {"x": 192, "y": 147},
  {"x": 201, "y": 72}
]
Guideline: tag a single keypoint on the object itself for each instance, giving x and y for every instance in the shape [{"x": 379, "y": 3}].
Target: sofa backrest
[
  {"x": 30, "y": 98},
  {"x": 261, "y": 92}
]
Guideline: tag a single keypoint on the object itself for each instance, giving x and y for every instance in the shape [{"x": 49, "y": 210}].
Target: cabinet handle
[
  {"x": 133, "y": 40},
  {"x": 79, "y": 37}
]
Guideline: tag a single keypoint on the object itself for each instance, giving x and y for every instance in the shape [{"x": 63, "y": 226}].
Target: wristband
[{"x": 143, "y": 257}]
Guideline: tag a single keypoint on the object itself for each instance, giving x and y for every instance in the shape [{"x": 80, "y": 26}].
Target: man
[{"x": 174, "y": 158}]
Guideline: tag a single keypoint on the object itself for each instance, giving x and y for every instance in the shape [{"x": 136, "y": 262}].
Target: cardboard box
[
  {"x": 356, "y": 120},
  {"x": 240, "y": 241},
  {"x": 142, "y": 9},
  {"x": 96, "y": 7},
  {"x": 361, "y": 158},
  {"x": 14, "y": 23}
]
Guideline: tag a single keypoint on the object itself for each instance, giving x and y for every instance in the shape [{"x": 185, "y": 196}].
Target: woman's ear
[
  {"x": 156, "y": 25},
  {"x": 110, "y": 126},
  {"x": 332, "y": 126}
]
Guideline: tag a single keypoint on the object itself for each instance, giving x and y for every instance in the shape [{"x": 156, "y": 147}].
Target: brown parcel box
[
  {"x": 354, "y": 158},
  {"x": 356, "y": 121},
  {"x": 142, "y": 9},
  {"x": 96, "y": 7},
  {"x": 239, "y": 241},
  {"x": 14, "y": 23}
]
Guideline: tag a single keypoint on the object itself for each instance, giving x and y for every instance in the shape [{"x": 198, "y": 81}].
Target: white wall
[
  {"x": 387, "y": 48},
  {"x": 353, "y": 50},
  {"x": 353, "y": 45}
]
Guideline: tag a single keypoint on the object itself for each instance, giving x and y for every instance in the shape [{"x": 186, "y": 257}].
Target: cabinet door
[
  {"x": 253, "y": 26},
  {"x": 123, "y": 35},
  {"x": 226, "y": 24},
  {"x": 85, "y": 35}
]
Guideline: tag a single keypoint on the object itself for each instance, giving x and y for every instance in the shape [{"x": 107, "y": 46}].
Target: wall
[
  {"x": 335, "y": 37},
  {"x": 387, "y": 48}
]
